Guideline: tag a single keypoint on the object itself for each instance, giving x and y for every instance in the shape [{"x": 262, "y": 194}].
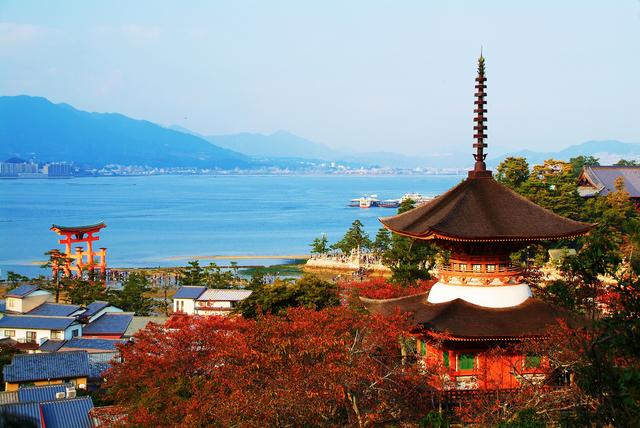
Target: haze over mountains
[{"x": 34, "y": 127}]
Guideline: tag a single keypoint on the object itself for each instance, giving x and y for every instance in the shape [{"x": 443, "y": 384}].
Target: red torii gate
[{"x": 81, "y": 257}]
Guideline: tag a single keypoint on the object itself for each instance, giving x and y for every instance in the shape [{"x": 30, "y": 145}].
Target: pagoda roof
[
  {"x": 481, "y": 209},
  {"x": 464, "y": 320},
  {"x": 86, "y": 228}
]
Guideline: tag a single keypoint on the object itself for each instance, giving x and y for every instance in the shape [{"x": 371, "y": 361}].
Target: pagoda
[
  {"x": 81, "y": 258},
  {"x": 479, "y": 301}
]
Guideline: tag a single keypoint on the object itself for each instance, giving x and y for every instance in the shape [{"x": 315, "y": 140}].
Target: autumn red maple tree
[{"x": 335, "y": 367}]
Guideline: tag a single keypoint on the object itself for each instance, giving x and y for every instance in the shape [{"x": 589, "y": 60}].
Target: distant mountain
[
  {"x": 283, "y": 144},
  {"x": 35, "y": 127},
  {"x": 608, "y": 152}
]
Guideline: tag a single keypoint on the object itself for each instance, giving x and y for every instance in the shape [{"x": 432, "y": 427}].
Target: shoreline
[{"x": 307, "y": 256}]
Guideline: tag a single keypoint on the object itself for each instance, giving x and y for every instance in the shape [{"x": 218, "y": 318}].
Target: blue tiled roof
[
  {"x": 41, "y": 393},
  {"x": 97, "y": 370},
  {"x": 21, "y": 291},
  {"x": 92, "y": 343},
  {"x": 95, "y": 307},
  {"x": 111, "y": 322},
  {"x": 36, "y": 322},
  {"x": 24, "y": 412},
  {"x": 189, "y": 292},
  {"x": 51, "y": 345},
  {"x": 67, "y": 413},
  {"x": 51, "y": 365},
  {"x": 54, "y": 310},
  {"x": 102, "y": 357}
]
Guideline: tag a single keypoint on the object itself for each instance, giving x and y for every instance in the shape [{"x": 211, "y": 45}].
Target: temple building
[
  {"x": 81, "y": 258},
  {"x": 479, "y": 301}
]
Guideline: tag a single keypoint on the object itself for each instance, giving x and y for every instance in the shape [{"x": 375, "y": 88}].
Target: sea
[{"x": 168, "y": 220}]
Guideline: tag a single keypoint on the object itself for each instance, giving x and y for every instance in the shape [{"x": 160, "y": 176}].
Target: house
[
  {"x": 111, "y": 325},
  {"x": 202, "y": 301},
  {"x": 140, "y": 323},
  {"x": 47, "y": 368},
  {"x": 185, "y": 298},
  {"x": 26, "y": 298},
  {"x": 48, "y": 406},
  {"x": 91, "y": 345},
  {"x": 32, "y": 331},
  {"x": 600, "y": 180}
]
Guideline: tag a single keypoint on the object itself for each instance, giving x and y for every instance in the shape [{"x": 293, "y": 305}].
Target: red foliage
[
  {"x": 335, "y": 367},
  {"x": 380, "y": 288}
]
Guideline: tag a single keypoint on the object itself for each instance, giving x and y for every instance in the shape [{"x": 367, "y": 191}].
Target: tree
[
  {"x": 308, "y": 292},
  {"x": 319, "y": 245},
  {"x": 354, "y": 239},
  {"x": 56, "y": 261},
  {"x": 131, "y": 298},
  {"x": 409, "y": 259},
  {"x": 15, "y": 279},
  {"x": 624, "y": 162},
  {"x": 80, "y": 291},
  {"x": 512, "y": 172},
  {"x": 327, "y": 368},
  {"x": 216, "y": 278},
  {"x": 582, "y": 161},
  {"x": 553, "y": 187},
  {"x": 383, "y": 241},
  {"x": 6, "y": 356},
  {"x": 193, "y": 274}
]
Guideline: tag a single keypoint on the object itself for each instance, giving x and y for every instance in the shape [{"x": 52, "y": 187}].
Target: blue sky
[{"x": 372, "y": 75}]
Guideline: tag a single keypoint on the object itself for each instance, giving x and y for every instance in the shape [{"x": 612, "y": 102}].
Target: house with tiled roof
[
  {"x": 185, "y": 298},
  {"x": 47, "y": 368},
  {"x": 140, "y": 323},
  {"x": 91, "y": 344},
  {"x": 51, "y": 413},
  {"x": 204, "y": 301},
  {"x": 600, "y": 180},
  {"x": 26, "y": 298},
  {"x": 111, "y": 325},
  {"x": 32, "y": 331}
]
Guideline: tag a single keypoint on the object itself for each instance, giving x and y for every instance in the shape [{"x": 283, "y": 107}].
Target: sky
[{"x": 394, "y": 76}]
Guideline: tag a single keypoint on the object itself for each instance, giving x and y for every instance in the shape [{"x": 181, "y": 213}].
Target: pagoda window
[
  {"x": 466, "y": 361},
  {"x": 477, "y": 268},
  {"x": 503, "y": 267},
  {"x": 491, "y": 268},
  {"x": 445, "y": 358},
  {"x": 532, "y": 361},
  {"x": 463, "y": 267}
]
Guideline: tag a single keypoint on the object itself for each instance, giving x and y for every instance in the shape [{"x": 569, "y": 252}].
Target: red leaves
[
  {"x": 320, "y": 368},
  {"x": 380, "y": 288}
]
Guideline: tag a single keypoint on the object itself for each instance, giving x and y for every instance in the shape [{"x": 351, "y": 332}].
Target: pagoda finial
[{"x": 480, "y": 168}]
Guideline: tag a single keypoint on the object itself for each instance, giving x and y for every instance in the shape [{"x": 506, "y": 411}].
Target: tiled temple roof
[
  {"x": 481, "y": 209},
  {"x": 462, "y": 319}
]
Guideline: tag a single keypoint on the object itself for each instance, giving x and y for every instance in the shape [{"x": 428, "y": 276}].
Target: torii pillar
[{"x": 80, "y": 257}]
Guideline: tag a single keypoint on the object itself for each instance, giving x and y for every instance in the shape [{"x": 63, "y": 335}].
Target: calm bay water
[{"x": 153, "y": 220}]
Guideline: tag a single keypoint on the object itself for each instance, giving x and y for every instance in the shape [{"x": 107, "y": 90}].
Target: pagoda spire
[{"x": 480, "y": 168}]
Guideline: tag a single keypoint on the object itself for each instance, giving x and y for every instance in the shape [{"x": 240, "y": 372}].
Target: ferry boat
[
  {"x": 390, "y": 203},
  {"x": 365, "y": 202},
  {"x": 416, "y": 197}
]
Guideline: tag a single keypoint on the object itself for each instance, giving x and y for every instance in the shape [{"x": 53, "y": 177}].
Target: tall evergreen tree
[
  {"x": 355, "y": 238},
  {"x": 409, "y": 259}
]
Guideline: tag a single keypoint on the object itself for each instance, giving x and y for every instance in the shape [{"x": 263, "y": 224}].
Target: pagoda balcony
[
  {"x": 480, "y": 110},
  {"x": 480, "y": 94},
  {"x": 481, "y": 135}
]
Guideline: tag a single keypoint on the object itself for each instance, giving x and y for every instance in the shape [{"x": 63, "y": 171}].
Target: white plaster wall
[{"x": 491, "y": 297}]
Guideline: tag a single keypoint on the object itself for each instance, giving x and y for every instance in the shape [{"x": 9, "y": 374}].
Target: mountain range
[{"x": 35, "y": 127}]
